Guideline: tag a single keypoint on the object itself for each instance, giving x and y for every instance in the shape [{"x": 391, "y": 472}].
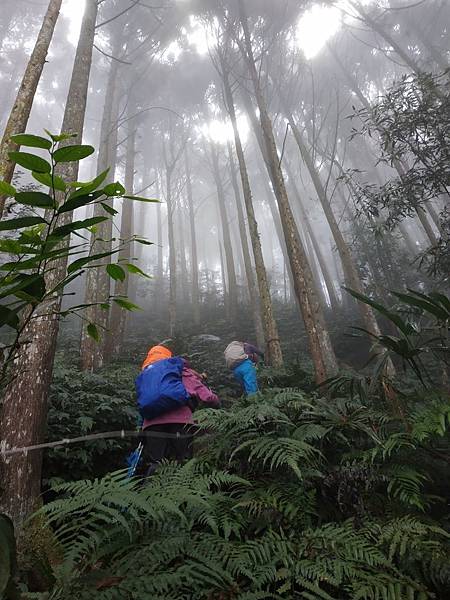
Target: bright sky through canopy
[
  {"x": 315, "y": 27},
  {"x": 73, "y": 10}
]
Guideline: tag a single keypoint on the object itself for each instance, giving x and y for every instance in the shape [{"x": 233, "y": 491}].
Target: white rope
[{"x": 94, "y": 436}]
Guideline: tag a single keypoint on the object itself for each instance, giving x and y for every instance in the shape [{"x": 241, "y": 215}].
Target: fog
[{"x": 156, "y": 101}]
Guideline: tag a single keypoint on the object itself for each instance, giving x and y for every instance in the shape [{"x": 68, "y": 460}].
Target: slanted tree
[
  {"x": 322, "y": 352},
  {"x": 27, "y": 393},
  {"x": 20, "y": 113}
]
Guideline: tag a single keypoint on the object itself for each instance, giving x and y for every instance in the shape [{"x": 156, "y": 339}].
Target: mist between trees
[{"x": 295, "y": 149}]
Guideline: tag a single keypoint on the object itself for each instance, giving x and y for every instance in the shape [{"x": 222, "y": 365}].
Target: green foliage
[
  {"x": 82, "y": 403},
  {"x": 423, "y": 325},
  {"x": 290, "y": 496},
  {"x": 410, "y": 123},
  {"x": 34, "y": 279}
]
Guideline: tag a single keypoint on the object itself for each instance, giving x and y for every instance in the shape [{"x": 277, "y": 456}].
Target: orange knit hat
[{"x": 156, "y": 353}]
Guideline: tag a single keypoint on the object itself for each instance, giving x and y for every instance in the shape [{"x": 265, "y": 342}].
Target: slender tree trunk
[
  {"x": 21, "y": 110},
  {"x": 194, "y": 251},
  {"x": 118, "y": 318},
  {"x": 378, "y": 28},
  {"x": 352, "y": 278},
  {"x": 172, "y": 255},
  {"x": 183, "y": 263},
  {"x": 27, "y": 394},
  {"x": 274, "y": 354},
  {"x": 334, "y": 301},
  {"x": 97, "y": 287},
  {"x": 159, "y": 266},
  {"x": 227, "y": 246},
  {"x": 252, "y": 289},
  {"x": 323, "y": 356},
  {"x": 399, "y": 167}
]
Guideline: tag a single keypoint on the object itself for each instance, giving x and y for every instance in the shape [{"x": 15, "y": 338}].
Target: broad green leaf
[
  {"x": 12, "y": 247},
  {"x": 401, "y": 324},
  {"x": 424, "y": 303},
  {"x": 62, "y": 137},
  {"x": 443, "y": 300},
  {"x": 126, "y": 304},
  {"x": 20, "y": 223},
  {"x": 76, "y": 225},
  {"x": 116, "y": 272},
  {"x": 30, "y": 162},
  {"x": 34, "y": 288},
  {"x": 72, "y": 153},
  {"x": 9, "y": 317},
  {"x": 109, "y": 209},
  {"x": 143, "y": 241},
  {"x": 81, "y": 262},
  {"x": 136, "y": 270},
  {"x": 114, "y": 189},
  {"x": 7, "y": 189},
  {"x": 142, "y": 199},
  {"x": 26, "y": 286},
  {"x": 46, "y": 179},
  {"x": 90, "y": 186},
  {"x": 78, "y": 201},
  {"x": 92, "y": 332},
  {"x": 38, "y": 199},
  {"x": 33, "y": 141}
]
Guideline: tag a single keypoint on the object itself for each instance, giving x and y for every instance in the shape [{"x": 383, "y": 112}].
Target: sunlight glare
[
  {"x": 221, "y": 132},
  {"x": 315, "y": 27},
  {"x": 73, "y": 11}
]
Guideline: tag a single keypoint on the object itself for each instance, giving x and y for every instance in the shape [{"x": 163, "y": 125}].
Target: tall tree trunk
[
  {"x": 194, "y": 251},
  {"x": 352, "y": 278},
  {"x": 252, "y": 290},
  {"x": 24, "y": 410},
  {"x": 227, "y": 246},
  {"x": 399, "y": 167},
  {"x": 118, "y": 318},
  {"x": 324, "y": 360},
  {"x": 274, "y": 354},
  {"x": 183, "y": 263},
  {"x": 97, "y": 287},
  {"x": 18, "y": 119},
  {"x": 378, "y": 28},
  {"x": 172, "y": 254},
  {"x": 159, "y": 264},
  {"x": 334, "y": 301}
]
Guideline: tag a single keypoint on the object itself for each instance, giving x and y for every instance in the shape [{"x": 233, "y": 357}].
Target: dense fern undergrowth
[{"x": 290, "y": 495}]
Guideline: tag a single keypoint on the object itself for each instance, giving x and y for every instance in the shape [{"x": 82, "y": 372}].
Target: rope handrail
[{"x": 86, "y": 438}]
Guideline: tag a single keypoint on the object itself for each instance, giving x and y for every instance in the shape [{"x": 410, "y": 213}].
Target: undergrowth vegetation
[{"x": 290, "y": 496}]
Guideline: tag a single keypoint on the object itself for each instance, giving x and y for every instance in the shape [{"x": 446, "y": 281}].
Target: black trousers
[{"x": 177, "y": 445}]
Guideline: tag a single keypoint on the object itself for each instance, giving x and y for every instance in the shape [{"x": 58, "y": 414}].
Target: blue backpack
[{"x": 160, "y": 388}]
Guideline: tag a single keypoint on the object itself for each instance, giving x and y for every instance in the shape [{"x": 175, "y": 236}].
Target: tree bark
[
  {"x": 118, "y": 320},
  {"x": 253, "y": 293},
  {"x": 172, "y": 254},
  {"x": 334, "y": 301},
  {"x": 194, "y": 251},
  {"x": 352, "y": 278},
  {"x": 24, "y": 410},
  {"x": 324, "y": 360},
  {"x": 98, "y": 284},
  {"x": 18, "y": 119},
  {"x": 184, "y": 286},
  {"x": 227, "y": 246}
]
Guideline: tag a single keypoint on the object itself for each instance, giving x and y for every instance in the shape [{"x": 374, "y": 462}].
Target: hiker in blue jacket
[{"x": 241, "y": 358}]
